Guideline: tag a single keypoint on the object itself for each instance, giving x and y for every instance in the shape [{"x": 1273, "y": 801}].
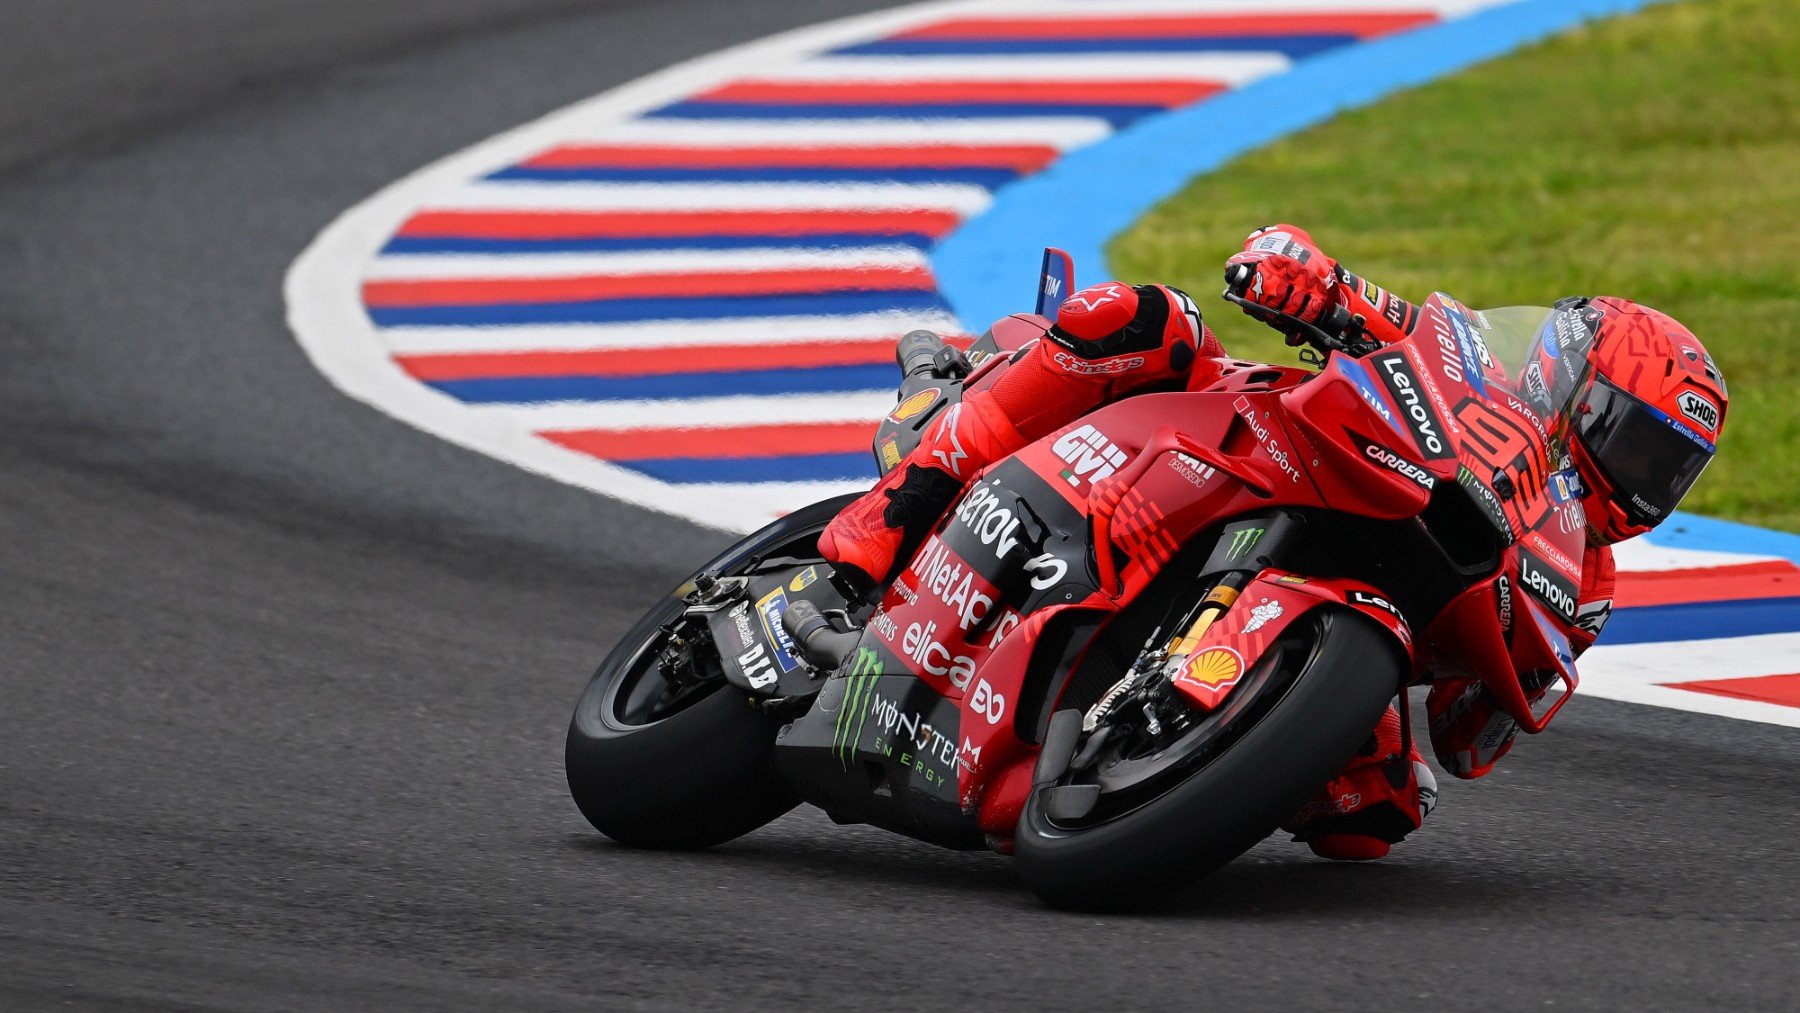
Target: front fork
[{"x": 1245, "y": 548}]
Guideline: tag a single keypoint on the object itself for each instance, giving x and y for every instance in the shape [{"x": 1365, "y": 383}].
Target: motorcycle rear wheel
[
  {"x": 1321, "y": 711},
  {"x": 653, "y": 768}
]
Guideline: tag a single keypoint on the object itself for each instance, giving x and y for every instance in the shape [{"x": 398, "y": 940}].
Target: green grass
[{"x": 1655, "y": 157}]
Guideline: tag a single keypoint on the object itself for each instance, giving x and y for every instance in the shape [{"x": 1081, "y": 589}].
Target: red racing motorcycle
[{"x": 1128, "y": 652}]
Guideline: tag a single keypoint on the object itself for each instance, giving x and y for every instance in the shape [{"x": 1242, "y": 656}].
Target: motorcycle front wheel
[
  {"x": 655, "y": 766},
  {"x": 1169, "y": 815}
]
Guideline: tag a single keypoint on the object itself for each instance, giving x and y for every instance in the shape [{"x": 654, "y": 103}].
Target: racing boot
[
  {"x": 1381, "y": 796},
  {"x": 891, "y": 519}
]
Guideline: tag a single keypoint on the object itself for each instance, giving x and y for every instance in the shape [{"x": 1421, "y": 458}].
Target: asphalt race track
[{"x": 283, "y": 682}]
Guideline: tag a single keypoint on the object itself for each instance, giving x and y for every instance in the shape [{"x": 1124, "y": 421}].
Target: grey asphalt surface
[{"x": 283, "y": 683}]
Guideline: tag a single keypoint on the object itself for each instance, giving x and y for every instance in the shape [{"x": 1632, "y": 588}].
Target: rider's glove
[{"x": 1283, "y": 269}]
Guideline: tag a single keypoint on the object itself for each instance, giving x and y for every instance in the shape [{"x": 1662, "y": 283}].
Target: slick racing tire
[
  {"x": 1325, "y": 684},
  {"x": 651, "y": 769}
]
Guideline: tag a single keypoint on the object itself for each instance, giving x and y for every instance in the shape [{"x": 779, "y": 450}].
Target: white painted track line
[
  {"x": 1643, "y": 555},
  {"x": 1061, "y": 132},
  {"x": 1639, "y": 673}
]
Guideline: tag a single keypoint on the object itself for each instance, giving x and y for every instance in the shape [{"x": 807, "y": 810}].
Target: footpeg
[{"x": 824, "y": 645}]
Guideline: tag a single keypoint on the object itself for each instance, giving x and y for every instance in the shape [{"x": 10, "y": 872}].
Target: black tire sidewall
[
  {"x": 699, "y": 777},
  {"x": 694, "y": 779}
]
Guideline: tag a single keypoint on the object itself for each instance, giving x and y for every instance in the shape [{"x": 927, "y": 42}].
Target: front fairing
[
  {"x": 1449, "y": 397},
  {"x": 1500, "y": 633},
  {"x": 1509, "y": 624}
]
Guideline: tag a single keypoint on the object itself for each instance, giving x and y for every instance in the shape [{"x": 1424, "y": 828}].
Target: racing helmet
[{"x": 1637, "y": 401}]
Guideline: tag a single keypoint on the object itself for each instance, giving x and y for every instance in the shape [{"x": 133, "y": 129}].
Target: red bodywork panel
[
  {"x": 1269, "y": 605},
  {"x": 1143, "y": 477}
]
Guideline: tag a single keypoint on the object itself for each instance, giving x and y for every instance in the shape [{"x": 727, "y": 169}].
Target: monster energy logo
[
  {"x": 855, "y": 711},
  {"x": 1242, "y": 541}
]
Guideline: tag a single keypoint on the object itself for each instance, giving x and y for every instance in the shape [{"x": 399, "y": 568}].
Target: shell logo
[
  {"x": 1214, "y": 666},
  {"x": 912, "y": 406},
  {"x": 1209, "y": 675}
]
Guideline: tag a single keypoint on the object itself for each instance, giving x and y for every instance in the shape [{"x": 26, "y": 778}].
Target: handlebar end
[{"x": 916, "y": 351}]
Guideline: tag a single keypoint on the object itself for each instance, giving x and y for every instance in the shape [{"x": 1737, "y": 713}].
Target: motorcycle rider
[
  {"x": 1109, "y": 342},
  {"x": 1637, "y": 428}
]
